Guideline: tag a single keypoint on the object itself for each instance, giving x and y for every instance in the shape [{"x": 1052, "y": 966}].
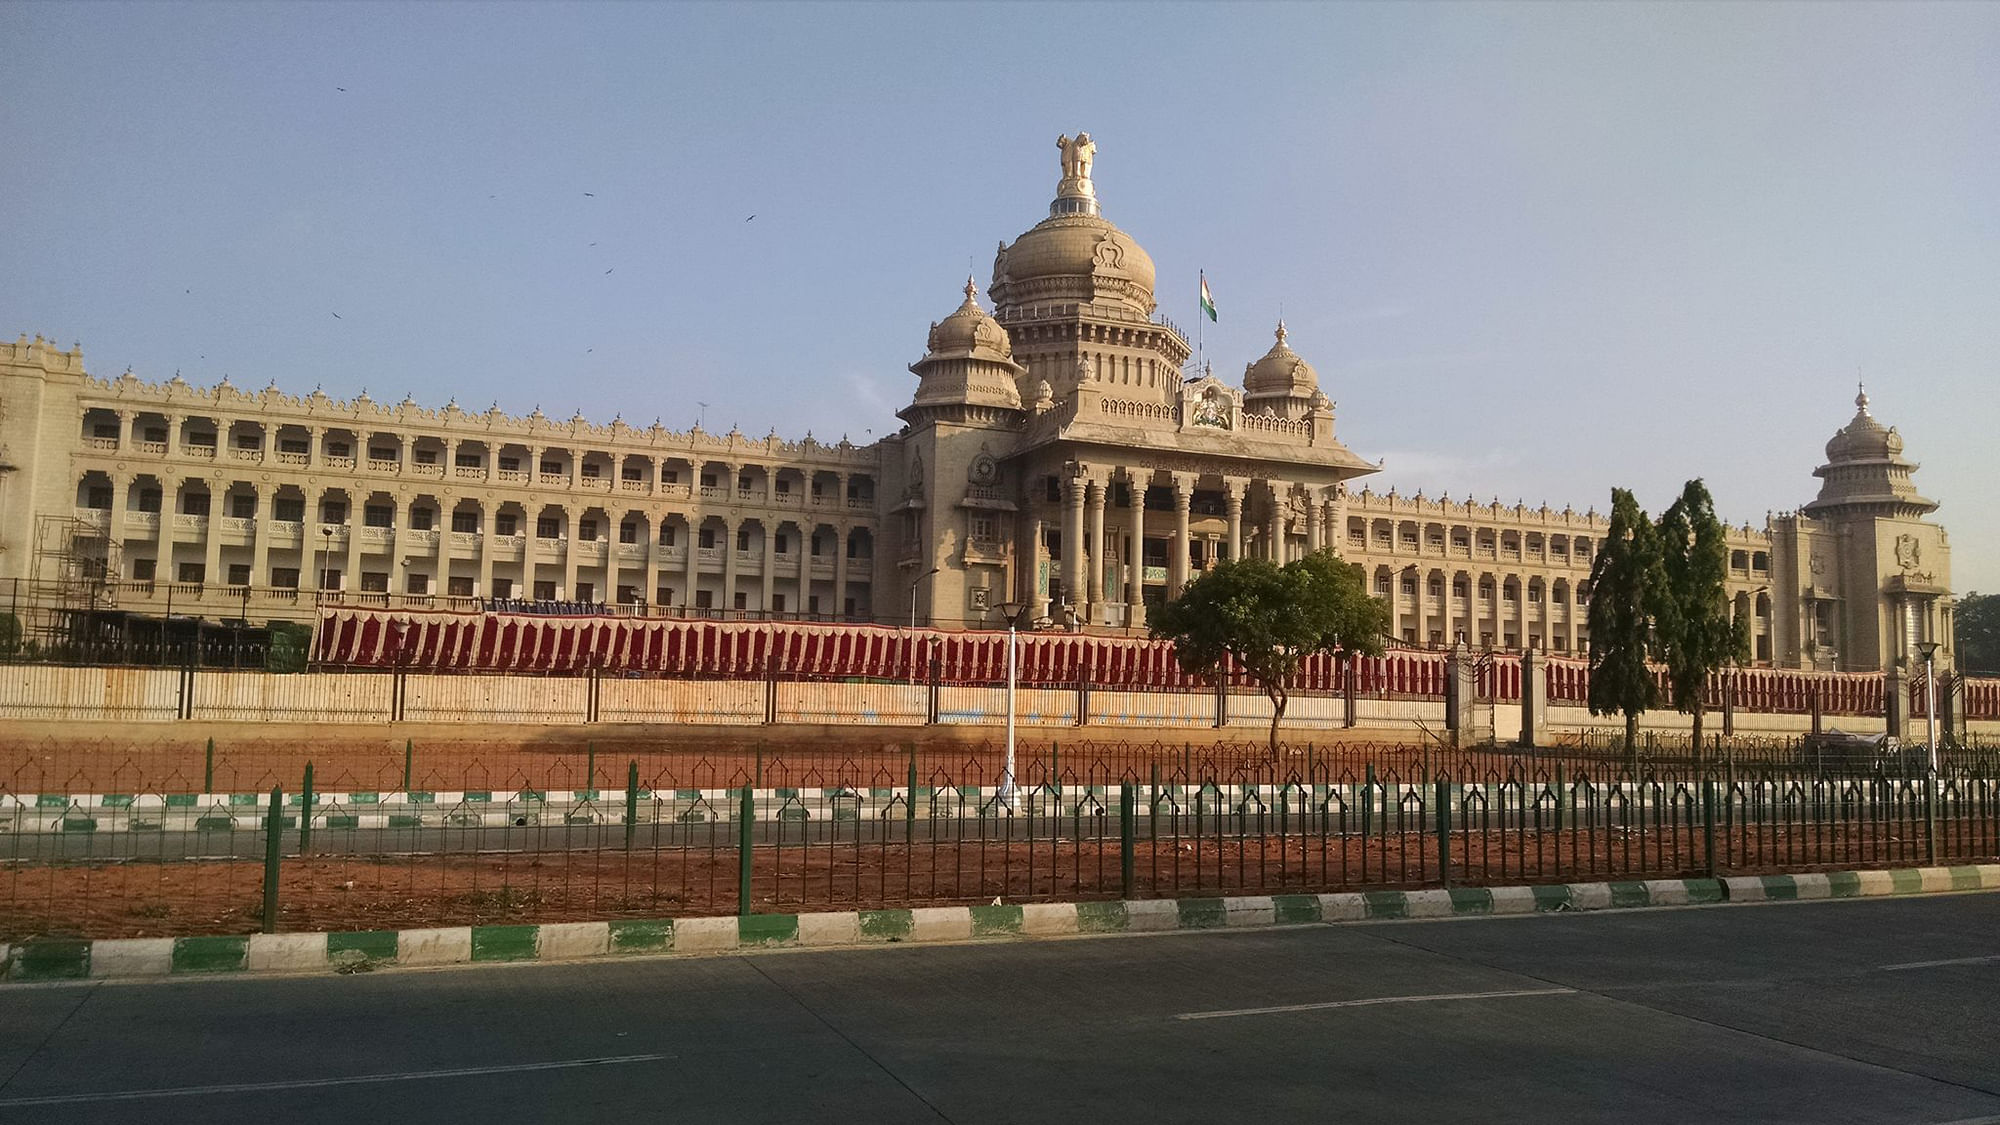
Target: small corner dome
[
  {"x": 1864, "y": 438},
  {"x": 1281, "y": 372},
  {"x": 970, "y": 331}
]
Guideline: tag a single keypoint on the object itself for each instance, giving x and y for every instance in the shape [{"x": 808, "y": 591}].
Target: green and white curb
[{"x": 65, "y": 960}]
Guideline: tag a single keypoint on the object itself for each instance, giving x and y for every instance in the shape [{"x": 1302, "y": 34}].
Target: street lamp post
[
  {"x": 1012, "y": 612},
  {"x": 1928, "y": 649},
  {"x": 914, "y": 583}
]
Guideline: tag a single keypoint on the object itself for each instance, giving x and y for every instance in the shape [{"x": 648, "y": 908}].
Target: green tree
[
  {"x": 1975, "y": 629},
  {"x": 1693, "y": 630},
  {"x": 1267, "y": 618},
  {"x": 1626, "y": 586}
]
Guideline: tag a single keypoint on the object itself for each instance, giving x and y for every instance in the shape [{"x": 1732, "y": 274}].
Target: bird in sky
[
  {"x": 336, "y": 316},
  {"x": 590, "y": 194},
  {"x": 751, "y": 217},
  {"x": 342, "y": 89},
  {"x": 607, "y": 272}
]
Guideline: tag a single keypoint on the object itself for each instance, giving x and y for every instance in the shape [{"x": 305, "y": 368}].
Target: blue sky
[{"x": 1533, "y": 251}]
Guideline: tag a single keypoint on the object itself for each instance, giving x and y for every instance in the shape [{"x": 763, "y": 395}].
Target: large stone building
[{"x": 1058, "y": 453}]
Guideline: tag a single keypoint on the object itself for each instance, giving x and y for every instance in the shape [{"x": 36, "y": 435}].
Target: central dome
[{"x": 1074, "y": 255}]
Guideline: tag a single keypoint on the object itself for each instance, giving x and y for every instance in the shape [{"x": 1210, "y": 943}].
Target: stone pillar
[
  {"x": 488, "y": 519},
  {"x": 218, "y": 504},
  {"x": 1274, "y": 533},
  {"x": 1534, "y": 698},
  {"x": 260, "y": 543},
  {"x": 357, "y": 508},
  {"x": 729, "y": 530},
  {"x": 1896, "y": 701},
  {"x": 655, "y": 521},
  {"x": 1073, "y": 542},
  {"x": 1314, "y": 527},
  {"x": 1135, "y": 588},
  {"x": 570, "y": 552},
  {"x": 1183, "y": 497},
  {"x": 690, "y": 576},
  {"x": 1461, "y": 691},
  {"x": 769, "y": 575},
  {"x": 1094, "y": 578},
  {"x": 841, "y": 531},
  {"x": 441, "y": 527},
  {"x": 1951, "y": 708},
  {"x": 399, "y": 542},
  {"x": 1028, "y": 587},
  {"x": 1232, "y": 490}
]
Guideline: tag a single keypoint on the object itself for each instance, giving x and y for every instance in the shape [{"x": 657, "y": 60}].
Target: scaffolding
[{"x": 73, "y": 558}]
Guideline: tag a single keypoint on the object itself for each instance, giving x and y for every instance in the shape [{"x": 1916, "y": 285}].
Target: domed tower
[
  {"x": 968, "y": 363},
  {"x": 1870, "y": 574},
  {"x": 1281, "y": 383},
  {"x": 947, "y": 530},
  {"x": 1865, "y": 474},
  {"x": 1076, "y": 295}
]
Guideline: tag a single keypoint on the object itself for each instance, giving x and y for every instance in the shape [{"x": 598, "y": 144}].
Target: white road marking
[
  {"x": 1320, "y": 1007},
  {"x": 316, "y": 1083},
  {"x": 1986, "y": 960}
]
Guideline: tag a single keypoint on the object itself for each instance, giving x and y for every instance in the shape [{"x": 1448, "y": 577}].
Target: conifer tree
[
  {"x": 1693, "y": 629},
  {"x": 1626, "y": 587}
]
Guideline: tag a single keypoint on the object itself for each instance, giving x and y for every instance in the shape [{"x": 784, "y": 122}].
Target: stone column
[
  {"x": 1028, "y": 586},
  {"x": 1094, "y": 580},
  {"x": 399, "y": 541},
  {"x": 260, "y": 544},
  {"x": 315, "y": 456},
  {"x": 357, "y": 508},
  {"x": 1135, "y": 590},
  {"x": 655, "y": 521},
  {"x": 1233, "y": 498},
  {"x": 1073, "y": 552},
  {"x": 488, "y": 519},
  {"x": 690, "y": 575},
  {"x": 1274, "y": 538},
  {"x": 211, "y": 566},
  {"x": 729, "y": 531},
  {"x": 1313, "y": 524},
  {"x": 441, "y": 527},
  {"x": 570, "y": 560},
  {"x": 1183, "y": 497},
  {"x": 770, "y": 569},
  {"x": 1534, "y": 698},
  {"x": 1896, "y": 701},
  {"x": 842, "y": 531}
]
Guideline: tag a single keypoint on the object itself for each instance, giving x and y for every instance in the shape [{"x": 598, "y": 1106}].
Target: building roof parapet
[{"x": 321, "y": 407}]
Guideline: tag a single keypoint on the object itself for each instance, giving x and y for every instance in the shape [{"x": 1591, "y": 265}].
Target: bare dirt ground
[
  {"x": 332, "y": 892},
  {"x": 248, "y": 757}
]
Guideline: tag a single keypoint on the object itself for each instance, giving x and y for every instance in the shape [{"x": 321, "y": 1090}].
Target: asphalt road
[{"x": 1860, "y": 1011}]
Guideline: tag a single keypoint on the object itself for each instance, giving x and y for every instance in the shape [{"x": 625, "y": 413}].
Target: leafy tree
[
  {"x": 1975, "y": 627},
  {"x": 10, "y": 634},
  {"x": 1693, "y": 630},
  {"x": 1268, "y": 618},
  {"x": 1627, "y": 583}
]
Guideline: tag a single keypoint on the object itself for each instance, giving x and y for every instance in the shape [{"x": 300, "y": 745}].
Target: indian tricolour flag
[{"x": 1207, "y": 302}]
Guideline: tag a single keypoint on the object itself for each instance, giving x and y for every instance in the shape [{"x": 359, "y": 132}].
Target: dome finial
[
  {"x": 971, "y": 287},
  {"x": 1281, "y": 330},
  {"x": 1075, "y": 194},
  {"x": 1860, "y": 396}
]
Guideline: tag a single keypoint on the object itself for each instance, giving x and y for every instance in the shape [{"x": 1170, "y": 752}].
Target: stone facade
[{"x": 1060, "y": 460}]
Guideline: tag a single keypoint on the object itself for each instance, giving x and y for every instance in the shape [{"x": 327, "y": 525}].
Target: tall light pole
[
  {"x": 1012, "y": 612},
  {"x": 914, "y": 583},
  {"x": 1928, "y": 649}
]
